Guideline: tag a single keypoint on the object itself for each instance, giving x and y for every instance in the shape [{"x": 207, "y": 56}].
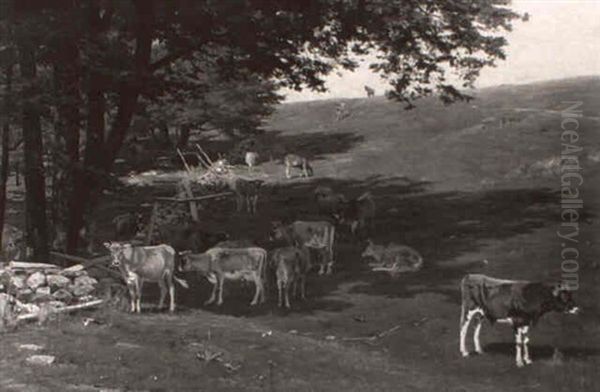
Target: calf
[
  {"x": 392, "y": 258},
  {"x": 151, "y": 263},
  {"x": 370, "y": 91},
  {"x": 357, "y": 213},
  {"x": 517, "y": 302},
  {"x": 220, "y": 264},
  {"x": 291, "y": 265},
  {"x": 297, "y": 161},
  {"x": 314, "y": 234}
]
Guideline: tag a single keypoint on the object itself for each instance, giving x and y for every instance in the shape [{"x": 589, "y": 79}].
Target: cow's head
[
  {"x": 563, "y": 299},
  {"x": 118, "y": 252},
  {"x": 317, "y": 239},
  {"x": 277, "y": 231},
  {"x": 184, "y": 262}
]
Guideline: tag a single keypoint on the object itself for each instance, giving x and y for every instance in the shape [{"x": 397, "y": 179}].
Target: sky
[{"x": 560, "y": 40}]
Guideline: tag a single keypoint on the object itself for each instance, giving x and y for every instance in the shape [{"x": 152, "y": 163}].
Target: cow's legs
[
  {"x": 132, "y": 292},
  {"x": 526, "y": 357},
  {"x": 163, "y": 292},
  {"x": 171, "y": 285},
  {"x": 213, "y": 294},
  {"x": 287, "y": 294},
  {"x": 259, "y": 288},
  {"x": 280, "y": 286},
  {"x": 220, "y": 281},
  {"x": 140, "y": 285},
  {"x": 303, "y": 287},
  {"x": 239, "y": 202},
  {"x": 288, "y": 172},
  {"x": 464, "y": 328},
  {"x": 519, "y": 346},
  {"x": 476, "y": 340}
]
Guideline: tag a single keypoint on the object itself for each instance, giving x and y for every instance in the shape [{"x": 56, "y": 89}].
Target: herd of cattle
[{"x": 310, "y": 245}]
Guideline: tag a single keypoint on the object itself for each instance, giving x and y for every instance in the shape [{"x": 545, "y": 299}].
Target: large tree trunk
[
  {"x": 35, "y": 185},
  {"x": 5, "y": 148}
]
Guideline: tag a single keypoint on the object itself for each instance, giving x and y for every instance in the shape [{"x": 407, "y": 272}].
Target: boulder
[
  {"x": 41, "y": 360},
  {"x": 36, "y": 280},
  {"x": 80, "y": 290},
  {"x": 57, "y": 281},
  {"x": 25, "y": 295},
  {"x": 73, "y": 271},
  {"x": 85, "y": 280},
  {"x": 63, "y": 295},
  {"x": 17, "y": 282}
]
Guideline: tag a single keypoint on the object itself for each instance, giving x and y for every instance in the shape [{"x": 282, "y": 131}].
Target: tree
[{"x": 108, "y": 56}]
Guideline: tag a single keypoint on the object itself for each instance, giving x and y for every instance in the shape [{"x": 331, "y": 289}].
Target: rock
[
  {"x": 63, "y": 295},
  {"x": 17, "y": 282},
  {"x": 25, "y": 295},
  {"x": 85, "y": 280},
  {"x": 31, "y": 347},
  {"x": 73, "y": 271},
  {"x": 41, "y": 360},
  {"x": 28, "y": 308},
  {"x": 57, "y": 281},
  {"x": 36, "y": 280},
  {"x": 55, "y": 304},
  {"x": 45, "y": 290},
  {"x": 81, "y": 290},
  {"x": 40, "y": 297}
]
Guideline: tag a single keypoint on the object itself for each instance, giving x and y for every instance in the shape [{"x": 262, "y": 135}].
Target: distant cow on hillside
[
  {"x": 370, "y": 91},
  {"x": 518, "y": 302},
  {"x": 299, "y": 162},
  {"x": 251, "y": 159}
]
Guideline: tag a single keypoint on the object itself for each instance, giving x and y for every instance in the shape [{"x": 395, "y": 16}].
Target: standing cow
[
  {"x": 291, "y": 265},
  {"x": 358, "y": 213},
  {"x": 220, "y": 264},
  {"x": 370, "y": 91},
  {"x": 319, "y": 235},
  {"x": 151, "y": 263},
  {"x": 297, "y": 161},
  {"x": 519, "y": 303}
]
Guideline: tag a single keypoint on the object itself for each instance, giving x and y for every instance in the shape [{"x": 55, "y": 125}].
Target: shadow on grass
[{"x": 541, "y": 352}]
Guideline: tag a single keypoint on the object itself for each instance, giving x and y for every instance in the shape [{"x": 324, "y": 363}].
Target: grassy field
[{"x": 448, "y": 181}]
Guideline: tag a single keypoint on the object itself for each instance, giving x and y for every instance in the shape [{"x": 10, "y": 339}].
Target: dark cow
[
  {"x": 370, "y": 91},
  {"x": 517, "y": 302},
  {"x": 127, "y": 225},
  {"x": 191, "y": 237},
  {"x": 150, "y": 263},
  {"x": 357, "y": 213},
  {"x": 246, "y": 192}
]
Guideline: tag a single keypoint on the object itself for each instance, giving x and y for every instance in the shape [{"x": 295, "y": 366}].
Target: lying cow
[
  {"x": 220, "y": 264},
  {"x": 392, "y": 258},
  {"x": 299, "y": 162},
  {"x": 291, "y": 265},
  {"x": 151, "y": 263},
  {"x": 313, "y": 234},
  {"x": 357, "y": 213},
  {"x": 517, "y": 302}
]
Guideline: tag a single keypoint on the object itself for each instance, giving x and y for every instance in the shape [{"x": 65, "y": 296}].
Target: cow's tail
[{"x": 182, "y": 282}]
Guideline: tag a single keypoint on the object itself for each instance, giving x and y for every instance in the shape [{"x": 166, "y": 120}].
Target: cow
[
  {"x": 318, "y": 235},
  {"x": 357, "y": 213},
  {"x": 127, "y": 225},
  {"x": 291, "y": 265},
  {"x": 519, "y": 303},
  {"x": 341, "y": 112},
  {"x": 246, "y": 191},
  {"x": 190, "y": 237},
  {"x": 251, "y": 159},
  {"x": 298, "y": 162},
  {"x": 220, "y": 264},
  {"x": 151, "y": 263},
  {"x": 370, "y": 91},
  {"x": 328, "y": 202},
  {"x": 392, "y": 258}
]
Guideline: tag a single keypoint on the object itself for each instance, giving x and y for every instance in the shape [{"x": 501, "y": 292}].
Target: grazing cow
[
  {"x": 246, "y": 191},
  {"x": 392, "y": 258},
  {"x": 299, "y": 162},
  {"x": 370, "y": 91},
  {"x": 518, "y": 302},
  {"x": 291, "y": 265},
  {"x": 357, "y": 213},
  {"x": 328, "y": 202},
  {"x": 220, "y": 264},
  {"x": 151, "y": 263},
  {"x": 251, "y": 159},
  {"x": 127, "y": 225},
  {"x": 318, "y": 235}
]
